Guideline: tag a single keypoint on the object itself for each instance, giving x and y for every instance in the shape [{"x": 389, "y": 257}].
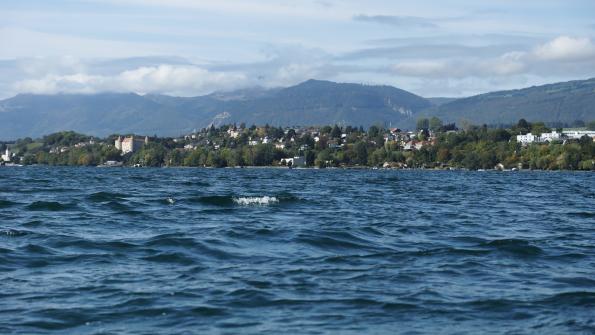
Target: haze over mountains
[{"x": 313, "y": 102}]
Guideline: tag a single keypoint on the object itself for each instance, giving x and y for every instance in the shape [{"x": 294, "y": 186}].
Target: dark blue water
[{"x": 253, "y": 251}]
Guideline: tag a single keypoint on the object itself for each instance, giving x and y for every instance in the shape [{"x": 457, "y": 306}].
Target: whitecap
[{"x": 259, "y": 201}]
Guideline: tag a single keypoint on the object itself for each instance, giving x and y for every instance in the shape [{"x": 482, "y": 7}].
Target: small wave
[
  {"x": 171, "y": 257},
  {"x": 577, "y": 281},
  {"x": 195, "y": 183},
  {"x": 215, "y": 200},
  {"x": 576, "y": 298},
  {"x": 208, "y": 311},
  {"x": 166, "y": 201},
  {"x": 85, "y": 244},
  {"x": 325, "y": 242},
  {"x": 14, "y": 233},
  {"x": 36, "y": 249},
  {"x": 493, "y": 305},
  {"x": 452, "y": 251},
  {"x": 175, "y": 243},
  {"x": 171, "y": 240},
  {"x": 7, "y": 203},
  {"x": 52, "y": 206},
  {"x": 257, "y": 201},
  {"x": 227, "y": 200},
  {"x": 106, "y": 196},
  {"x": 116, "y": 206},
  {"x": 584, "y": 215},
  {"x": 515, "y": 246}
]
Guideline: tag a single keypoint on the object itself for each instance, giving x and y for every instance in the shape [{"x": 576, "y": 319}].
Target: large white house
[
  {"x": 577, "y": 134},
  {"x": 527, "y": 138}
]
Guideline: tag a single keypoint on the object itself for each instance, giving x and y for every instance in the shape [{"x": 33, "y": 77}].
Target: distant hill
[
  {"x": 322, "y": 102},
  {"x": 313, "y": 102},
  {"x": 561, "y": 102}
]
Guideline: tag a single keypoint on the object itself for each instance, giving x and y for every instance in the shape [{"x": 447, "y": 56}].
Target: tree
[
  {"x": 539, "y": 128},
  {"x": 336, "y": 132},
  {"x": 290, "y": 134},
  {"x": 471, "y": 161},
  {"x": 523, "y": 126},
  {"x": 591, "y": 125},
  {"x": 323, "y": 157},
  {"x": 214, "y": 159},
  {"x": 310, "y": 157},
  {"x": 443, "y": 155},
  {"x": 361, "y": 153},
  {"x": 435, "y": 124},
  {"x": 326, "y": 130},
  {"x": 377, "y": 157},
  {"x": 194, "y": 159},
  {"x": 373, "y": 131},
  {"x": 499, "y": 135},
  {"x": 422, "y": 124}
]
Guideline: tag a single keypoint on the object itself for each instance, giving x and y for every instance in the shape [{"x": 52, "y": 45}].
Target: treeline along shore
[{"x": 433, "y": 145}]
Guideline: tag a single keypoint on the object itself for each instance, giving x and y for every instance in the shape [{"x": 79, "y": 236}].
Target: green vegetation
[{"x": 434, "y": 145}]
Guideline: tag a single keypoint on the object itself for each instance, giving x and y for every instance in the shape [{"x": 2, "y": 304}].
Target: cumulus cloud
[
  {"x": 562, "y": 55},
  {"x": 566, "y": 48},
  {"x": 168, "y": 79},
  {"x": 501, "y": 66}
]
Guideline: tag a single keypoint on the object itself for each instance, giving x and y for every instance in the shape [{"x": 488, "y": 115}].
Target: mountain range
[{"x": 313, "y": 102}]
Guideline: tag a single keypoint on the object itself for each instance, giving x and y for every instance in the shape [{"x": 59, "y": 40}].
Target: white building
[
  {"x": 554, "y": 136},
  {"x": 577, "y": 134},
  {"x": 297, "y": 161},
  {"x": 548, "y": 137},
  {"x": 233, "y": 133},
  {"x": 526, "y": 139},
  {"x": 6, "y": 156}
]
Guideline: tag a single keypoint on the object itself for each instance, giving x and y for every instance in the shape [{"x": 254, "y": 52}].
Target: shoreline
[{"x": 351, "y": 168}]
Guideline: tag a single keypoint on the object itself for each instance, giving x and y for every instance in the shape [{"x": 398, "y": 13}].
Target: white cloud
[
  {"x": 562, "y": 55},
  {"x": 167, "y": 79},
  {"x": 462, "y": 68},
  {"x": 508, "y": 64},
  {"x": 293, "y": 73},
  {"x": 566, "y": 48}
]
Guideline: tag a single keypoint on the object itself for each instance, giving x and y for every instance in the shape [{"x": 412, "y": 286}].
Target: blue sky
[{"x": 183, "y": 47}]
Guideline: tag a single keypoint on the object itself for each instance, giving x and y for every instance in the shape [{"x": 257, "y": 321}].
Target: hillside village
[{"x": 432, "y": 145}]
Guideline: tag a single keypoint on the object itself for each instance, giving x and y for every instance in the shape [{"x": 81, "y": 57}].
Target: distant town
[{"x": 432, "y": 145}]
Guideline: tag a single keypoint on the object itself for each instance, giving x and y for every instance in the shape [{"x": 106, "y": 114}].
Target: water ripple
[{"x": 257, "y": 251}]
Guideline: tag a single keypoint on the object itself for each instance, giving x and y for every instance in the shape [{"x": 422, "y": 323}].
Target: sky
[{"x": 446, "y": 48}]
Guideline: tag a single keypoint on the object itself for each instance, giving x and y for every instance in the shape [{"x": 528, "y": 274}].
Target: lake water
[{"x": 253, "y": 251}]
